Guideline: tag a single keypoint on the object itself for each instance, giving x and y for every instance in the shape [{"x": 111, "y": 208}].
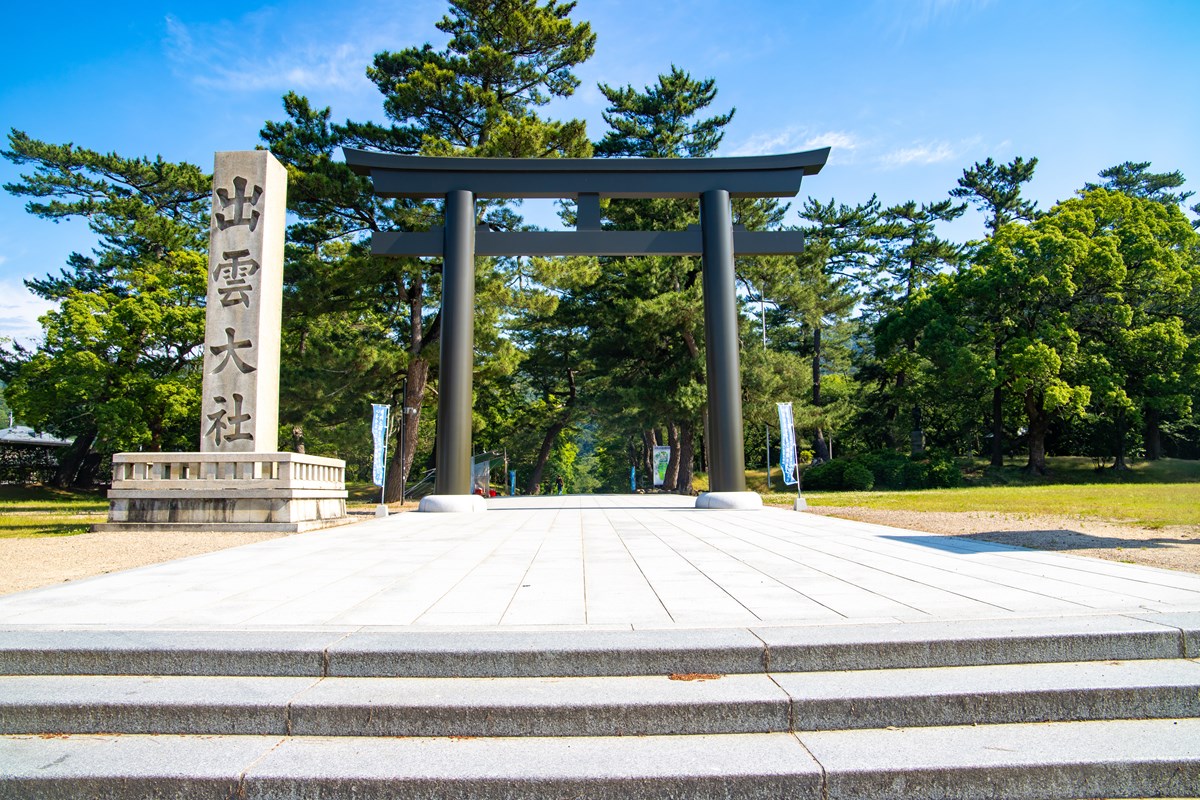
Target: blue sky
[{"x": 907, "y": 92}]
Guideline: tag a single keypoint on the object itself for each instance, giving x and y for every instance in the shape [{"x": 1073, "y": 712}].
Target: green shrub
[
  {"x": 914, "y": 475},
  {"x": 943, "y": 473},
  {"x": 825, "y": 477},
  {"x": 858, "y": 478},
  {"x": 887, "y": 466}
]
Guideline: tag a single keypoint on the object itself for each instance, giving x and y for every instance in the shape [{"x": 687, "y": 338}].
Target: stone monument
[{"x": 238, "y": 480}]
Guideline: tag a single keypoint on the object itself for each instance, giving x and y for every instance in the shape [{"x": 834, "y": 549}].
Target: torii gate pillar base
[
  {"x": 453, "y": 503},
  {"x": 739, "y": 500}
]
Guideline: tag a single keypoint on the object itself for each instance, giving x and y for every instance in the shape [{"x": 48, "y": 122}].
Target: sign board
[{"x": 662, "y": 457}]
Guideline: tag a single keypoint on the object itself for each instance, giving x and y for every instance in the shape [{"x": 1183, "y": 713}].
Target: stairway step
[
  {"x": 680, "y": 704},
  {"x": 165, "y": 652},
  {"x": 1048, "y": 760},
  {"x": 507, "y": 653},
  {"x": 1120, "y": 758},
  {"x": 959, "y": 643},
  {"x": 1007, "y": 693}
]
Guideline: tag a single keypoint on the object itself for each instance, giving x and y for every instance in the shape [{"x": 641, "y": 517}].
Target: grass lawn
[
  {"x": 36, "y": 511},
  {"x": 1152, "y": 494}
]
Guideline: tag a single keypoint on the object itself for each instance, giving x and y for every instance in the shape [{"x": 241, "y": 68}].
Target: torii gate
[{"x": 713, "y": 180}]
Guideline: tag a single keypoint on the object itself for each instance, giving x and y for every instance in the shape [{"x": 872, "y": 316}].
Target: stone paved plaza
[{"x": 621, "y": 561}]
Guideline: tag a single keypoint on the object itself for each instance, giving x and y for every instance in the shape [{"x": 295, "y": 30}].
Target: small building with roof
[{"x": 27, "y": 455}]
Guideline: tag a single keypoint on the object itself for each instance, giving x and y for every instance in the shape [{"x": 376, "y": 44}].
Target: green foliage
[
  {"x": 857, "y": 477},
  {"x": 476, "y": 96},
  {"x": 658, "y": 121},
  {"x": 826, "y": 477},
  {"x": 374, "y": 322},
  {"x": 1136, "y": 180},
  {"x": 116, "y": 367},
  {"x": 996, "y": 189}
]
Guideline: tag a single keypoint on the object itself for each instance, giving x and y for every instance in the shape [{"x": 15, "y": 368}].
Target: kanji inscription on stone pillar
[{"x": 245, "y": 297}]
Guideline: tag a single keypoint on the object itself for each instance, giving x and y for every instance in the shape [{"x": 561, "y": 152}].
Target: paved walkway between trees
[{"x": 616, "y": 561}]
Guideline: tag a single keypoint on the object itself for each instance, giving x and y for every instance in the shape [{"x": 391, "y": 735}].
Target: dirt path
[{"x": 1169, "y": 547}]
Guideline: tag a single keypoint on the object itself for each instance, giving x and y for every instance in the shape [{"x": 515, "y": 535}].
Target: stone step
[
  {"x": 509, "y": 653},
  {"x": 600, "y": 706},
  {"x": 1051, "y": 760}
]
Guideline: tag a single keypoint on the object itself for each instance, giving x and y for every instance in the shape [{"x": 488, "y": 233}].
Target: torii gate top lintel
[{"x": 433, "y": 176}]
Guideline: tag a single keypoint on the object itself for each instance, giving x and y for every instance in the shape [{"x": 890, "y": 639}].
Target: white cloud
[
  {"x": 267, "y": 50},
  {"x": 920, "y": 154},
  {"x": 794, "y": 139},
  {"x": 19, "y": 312},
  {"x": 903, "y": 17}
]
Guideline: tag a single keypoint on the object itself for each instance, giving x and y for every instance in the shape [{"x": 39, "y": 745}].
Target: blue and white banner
[
  {"x": 787, "y": 443},
  {"x": 379, "y": 432}
]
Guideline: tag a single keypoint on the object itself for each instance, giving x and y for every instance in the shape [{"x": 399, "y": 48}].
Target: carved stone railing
[
  {"x": 224, "y": 471},
  {"x": 226, "y": 491}
]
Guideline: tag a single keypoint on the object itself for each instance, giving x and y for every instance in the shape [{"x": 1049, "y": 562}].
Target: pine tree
[
  {"x": 651, "y": 345},
  {"x": 996, "y": 190},
  {"x": 477, "y": 96},
  {"x": 116, "y": 366}
]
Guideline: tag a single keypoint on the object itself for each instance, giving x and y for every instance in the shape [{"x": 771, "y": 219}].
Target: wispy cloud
[
  {"x": 902, "y": 17},
  {"x": 267, "y": 51},
  {"x": 19, "y": 312},
  {"x": 920, "y": 154},
  {"x": 797, "y": 138}
]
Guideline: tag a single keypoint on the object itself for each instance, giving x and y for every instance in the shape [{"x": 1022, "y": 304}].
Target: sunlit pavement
[{"x": 616, "y": 561}]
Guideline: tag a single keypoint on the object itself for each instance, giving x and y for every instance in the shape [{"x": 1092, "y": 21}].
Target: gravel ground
[
  {"x": 1168, "y": 547},
  {"x": 30, "y": 563}
]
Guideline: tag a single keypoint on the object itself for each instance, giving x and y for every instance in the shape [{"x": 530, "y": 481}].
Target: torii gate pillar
[
  {"x": 726, "y": 450},
  {"x": 457, "y": 354}
]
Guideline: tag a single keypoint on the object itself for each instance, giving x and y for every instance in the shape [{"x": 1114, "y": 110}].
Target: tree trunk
[
  {"x": 1153, "y": 435},
  {"x": 535, "y": 479},
  {"x": 649, "y": 441},
  {"x": 816, "y": 366},
  {"x": 997, "y": 426},
  {"x": 686, "y": 456},
  {"x": 398, "y": 470},
  {"x": 1039, "y": 421},
  {"x": 534, "y": 485},
  {"x": 1119, "y": 462},
  {"x": 72, "y": 460},
  {"x": 671, "y": 480},
  {"x": 820, "y": 445},
  {"x": 86, "y": 478}
]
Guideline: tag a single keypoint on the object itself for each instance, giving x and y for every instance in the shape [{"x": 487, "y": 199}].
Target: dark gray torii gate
[{"x": 713, "y": 180}]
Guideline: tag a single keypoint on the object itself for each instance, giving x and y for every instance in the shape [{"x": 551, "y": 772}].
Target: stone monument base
[
  {"x": 273, "y": 492},
  {"x": 729, "y": 500}
]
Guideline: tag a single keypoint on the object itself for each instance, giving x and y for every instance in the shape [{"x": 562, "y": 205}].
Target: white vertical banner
[
  {"x": 379, "y": 432},
  {"x": 787, "y": 444}
]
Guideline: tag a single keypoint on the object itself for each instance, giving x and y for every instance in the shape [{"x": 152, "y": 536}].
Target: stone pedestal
[
  {"x": 742, "y": 500},
  {"x": 453, "y": 503},
  {"x": 284, "y": 492}
]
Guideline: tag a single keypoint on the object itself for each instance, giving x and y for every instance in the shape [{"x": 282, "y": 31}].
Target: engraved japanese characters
[{"x": 245, "y": 291}]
